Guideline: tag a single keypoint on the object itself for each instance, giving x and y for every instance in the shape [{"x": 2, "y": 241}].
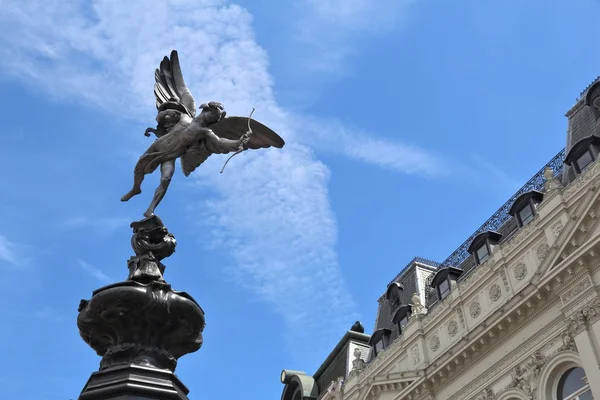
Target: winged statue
[{"x": 191, "y": 138}]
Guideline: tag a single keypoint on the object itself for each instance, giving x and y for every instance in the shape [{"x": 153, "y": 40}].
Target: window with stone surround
[
  {"x": 583, "y": 153},
  {"x": 379, "y": 341},
  {"x": 442, "y": 281},
  {"x": 524, "y": 207},
  {"x": 573, "y": 385},
  {"x": 401, "y": 317},
  {"x": 483, "y": 245}
]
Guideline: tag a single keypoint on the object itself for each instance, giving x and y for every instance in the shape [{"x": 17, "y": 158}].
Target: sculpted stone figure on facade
[
  {"x": 417, "y": 306},
  {"x": 519, "y": 379},
  {"x": 568, "y": 342},
  {"x": 358, "y": 363},
  {"x": 551, "y": 181}
]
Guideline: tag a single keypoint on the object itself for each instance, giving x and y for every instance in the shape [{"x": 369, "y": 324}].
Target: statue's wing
[
  {"x": 170, "y": 83},
  {"x": 235, "y": 127},
  {"x": 194, "y": 157}
]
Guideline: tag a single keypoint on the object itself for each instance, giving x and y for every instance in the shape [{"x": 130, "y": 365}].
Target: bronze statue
[{"x": 182, "y": 134}]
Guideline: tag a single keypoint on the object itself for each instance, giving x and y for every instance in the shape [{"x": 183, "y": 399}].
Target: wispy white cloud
[
  {"x": 331, "y": 135},
  {"x": 7, "y": 251},
  {"x": 94, "y": 272},
  {"x": 273, "y": 213}
]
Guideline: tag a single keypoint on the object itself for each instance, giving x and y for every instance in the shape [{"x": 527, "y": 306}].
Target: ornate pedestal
[{"x": 141, "y": 326}]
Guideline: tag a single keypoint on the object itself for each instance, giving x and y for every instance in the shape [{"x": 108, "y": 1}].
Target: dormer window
[
  {"x": 483, "y": 253},
  {"x": 401, "y": 317},
  {"x": 526, "y": 214},
  {"x": 379, "y": 341},
  {"x": 443, "y": 279},
  {"x": 394, "y": 294},
  {"x": 583, "y": 153},
  {"x": 443, "y": 289},
  {"x": 523, "y": 209},
  {"x": 483, "y": 245},
  {"x": 584, "y": 160}
]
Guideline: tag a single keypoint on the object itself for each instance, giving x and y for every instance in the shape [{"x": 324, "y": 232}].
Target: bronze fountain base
[{"x": 141, "y": 327}]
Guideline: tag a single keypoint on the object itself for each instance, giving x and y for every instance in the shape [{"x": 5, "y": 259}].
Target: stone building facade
[{"x": 513, "y": 313}]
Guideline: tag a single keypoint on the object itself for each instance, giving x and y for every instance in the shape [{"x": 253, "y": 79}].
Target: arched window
[
  {"x": 443, "y": 279},
  {"x": 573, "y": 385},
  {"x": 524, "y": 207},
  {"x": 583, "y": 153},
  {"x": 483, "y": 245}
]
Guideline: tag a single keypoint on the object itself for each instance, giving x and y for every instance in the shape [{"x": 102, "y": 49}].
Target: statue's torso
[{"x": 182, "y": 136}]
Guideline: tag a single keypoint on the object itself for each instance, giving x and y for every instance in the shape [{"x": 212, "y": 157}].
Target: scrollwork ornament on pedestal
[{"x": 151, "y": 242}]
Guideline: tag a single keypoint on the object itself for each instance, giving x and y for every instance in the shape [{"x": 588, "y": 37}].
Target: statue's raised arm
[{"x": 182, "y": 134}]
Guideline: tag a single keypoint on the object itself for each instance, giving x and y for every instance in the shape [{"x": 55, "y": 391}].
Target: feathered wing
[
  {"x": 231, "y": 128},
  {"x": 235, "y": 127},
  {"x": 194, "y": 157},
  {"x": 170, "y": 83}
]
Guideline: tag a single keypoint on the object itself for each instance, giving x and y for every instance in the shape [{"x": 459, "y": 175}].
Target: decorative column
[
  {"x": 584, "y": 328},
  {"x": 141, "y": 326}
]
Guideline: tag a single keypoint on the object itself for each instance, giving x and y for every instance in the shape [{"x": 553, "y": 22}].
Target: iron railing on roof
[
  {"x": 501, "y": 216},
  {"x": 588, "y": 86}
]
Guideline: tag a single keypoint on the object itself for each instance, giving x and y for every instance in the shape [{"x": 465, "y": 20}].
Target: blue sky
[{"x": 408, "y": 123}]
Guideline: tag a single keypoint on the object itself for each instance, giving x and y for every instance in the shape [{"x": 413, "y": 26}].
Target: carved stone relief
[
  {"x": 434, "y": 343},
  {"x": 542, "y": 251},
  {"x": 504, "y": 279},
  {"x": 576, "y": 290},
  {"x": 416, "y": 354},
  {"x": 452, "y": 328},
  {"x": 475, "y": 309},
  {"x": 461, "y": 317},
  {"x": 495, "y": 292},
  {"x": 488, "y": 394},
  {"x": 557, "y": 229},
  {"x": 525, "y": 377},
  {"x": 568, "y": 342},
  {"x": 520, "y": 271}
]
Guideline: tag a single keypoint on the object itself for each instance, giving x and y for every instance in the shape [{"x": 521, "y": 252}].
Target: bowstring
[{"x": 248, "y": 133}]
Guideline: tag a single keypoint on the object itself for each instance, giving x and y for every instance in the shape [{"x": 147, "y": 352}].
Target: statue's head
[
  {"x": 173, "y": 104},
  {"x": 212, "y": 112},
  {"x": 168, "y": 117}
]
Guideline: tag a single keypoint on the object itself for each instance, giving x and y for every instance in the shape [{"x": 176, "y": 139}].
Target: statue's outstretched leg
[
  {"x": 167, "y": 169},
  {"x": 138, "y": 178}
]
